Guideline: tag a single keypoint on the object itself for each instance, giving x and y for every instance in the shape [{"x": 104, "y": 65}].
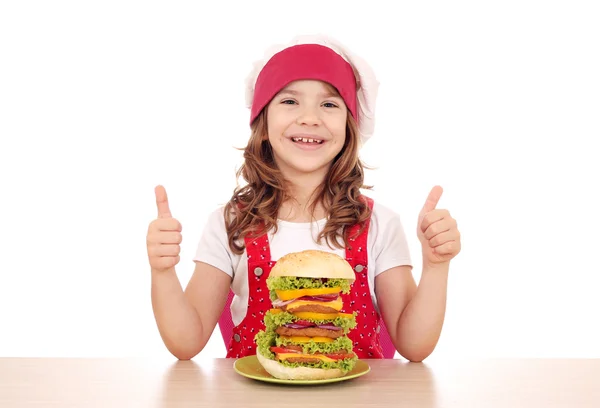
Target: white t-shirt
[{"x": 387, "y": 248}]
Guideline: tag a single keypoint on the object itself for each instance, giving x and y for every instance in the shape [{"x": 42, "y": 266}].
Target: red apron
[{"x": 369, "y": 330}]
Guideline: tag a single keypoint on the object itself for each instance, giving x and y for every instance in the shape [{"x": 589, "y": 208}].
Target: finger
[
  {"x": 437, "y": 226},
  {"x": 167, "y": 224},
  {"x": 166, "y": 262},
  {"x": 442, "y": 238},
  {"x": 450, "y": 247},
  {"x": 169, "y": 237},
  {"x": 168, "y": 250},
  {"x": 432, "y": 200},
  {"x": 163, "y": 250},
  {"x": 433, "y": 217},
  {"x": 162, "y": 202}
]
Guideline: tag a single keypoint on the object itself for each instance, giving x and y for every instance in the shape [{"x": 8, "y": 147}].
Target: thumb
[
  {"x": 162, "y": 202},
  {"x": 432, "y": 200}
]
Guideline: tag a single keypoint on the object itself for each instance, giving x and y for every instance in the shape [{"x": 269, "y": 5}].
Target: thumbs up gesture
[
  {"x": 164, "y": 235},
  {"x": 437, "y": 231}
]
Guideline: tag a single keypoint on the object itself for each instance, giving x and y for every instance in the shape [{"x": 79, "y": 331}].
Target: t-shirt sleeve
[
  {"x": 390, "y": 248},
  {"x": 213, "y": 247}
]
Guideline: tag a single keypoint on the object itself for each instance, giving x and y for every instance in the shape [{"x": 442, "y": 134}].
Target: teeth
[{"x": 306, "y": 140}]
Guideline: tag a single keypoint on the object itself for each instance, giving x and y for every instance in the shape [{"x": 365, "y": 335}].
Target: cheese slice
[
  {"x": 296, "y": 293},
  {"x": 305, "y": 339},
  {"x": 285, "y": 356},
  {"x": 321, "y": 316},
  {"x": 334, "y": 304},
  {"x": 315, "y": 316}
]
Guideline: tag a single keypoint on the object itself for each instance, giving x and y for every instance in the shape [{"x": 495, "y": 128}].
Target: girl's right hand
[{"x": 164, "y": 235}]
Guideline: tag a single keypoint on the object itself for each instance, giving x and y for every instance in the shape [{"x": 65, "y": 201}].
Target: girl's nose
[{"x": 309, "y": 117}]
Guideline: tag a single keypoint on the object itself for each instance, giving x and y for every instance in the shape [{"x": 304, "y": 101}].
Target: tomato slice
[
  {"x": 339, "y": 356},
  {"x": 282, "y": 350},
  {"x": 304, "y": 323}
]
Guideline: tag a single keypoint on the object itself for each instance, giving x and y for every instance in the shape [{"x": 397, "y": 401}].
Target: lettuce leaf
[
  {"x": 291, "y": 282},
  {"x": 264, "y": 341},
  {"x": 341, "y": 343},
  {"x": 274, "y": 320}
]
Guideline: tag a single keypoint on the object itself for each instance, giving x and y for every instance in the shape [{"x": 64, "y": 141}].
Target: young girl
[{"x": 312, "y": 108}]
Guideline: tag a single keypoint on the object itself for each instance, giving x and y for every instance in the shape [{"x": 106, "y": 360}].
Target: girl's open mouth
[{"x": 306, "y": 140}]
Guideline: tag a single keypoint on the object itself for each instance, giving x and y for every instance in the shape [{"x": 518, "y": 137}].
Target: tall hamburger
[{"x": 305, "y": 336}]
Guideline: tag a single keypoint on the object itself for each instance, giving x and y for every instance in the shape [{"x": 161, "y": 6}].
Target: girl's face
[{"x": 306, "y": 124}]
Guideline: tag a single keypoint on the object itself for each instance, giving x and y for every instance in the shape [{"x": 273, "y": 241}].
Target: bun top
[{"x": 313, "y": 264}]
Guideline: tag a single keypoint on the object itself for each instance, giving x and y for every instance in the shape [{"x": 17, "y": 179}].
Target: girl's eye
[
  {"x": 330, "y": 105},
  {"x": 288, "y": 101}
]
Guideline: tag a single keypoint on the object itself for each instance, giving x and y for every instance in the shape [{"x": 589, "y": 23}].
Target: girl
[{"x": 311, "y": 108}]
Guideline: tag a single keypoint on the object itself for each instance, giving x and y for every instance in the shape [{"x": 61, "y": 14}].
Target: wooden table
[{"x": 116, "y": 383}]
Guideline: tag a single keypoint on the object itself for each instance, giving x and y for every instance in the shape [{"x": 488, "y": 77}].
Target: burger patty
[
  {"x": 303, "y": 360},
  {"x": 309, "y": 332},
  {"x": 300, "y": 350},
  {"x": 309, "y": 360},
  {"x": 313, "y": 309}
]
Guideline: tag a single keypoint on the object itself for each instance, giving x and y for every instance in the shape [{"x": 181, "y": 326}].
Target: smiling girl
[{"x": 312, "y": 108}]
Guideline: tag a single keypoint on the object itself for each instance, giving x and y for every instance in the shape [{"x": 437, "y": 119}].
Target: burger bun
[
  {"x": 313, "y": 264},
  {"x": 282, "y": 372}
]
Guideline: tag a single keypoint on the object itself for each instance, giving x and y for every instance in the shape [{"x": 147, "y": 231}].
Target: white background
[{"x": 101, "y": 101}]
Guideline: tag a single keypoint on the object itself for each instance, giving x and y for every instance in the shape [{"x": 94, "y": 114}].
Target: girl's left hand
[{"x": 437, "y": 231}]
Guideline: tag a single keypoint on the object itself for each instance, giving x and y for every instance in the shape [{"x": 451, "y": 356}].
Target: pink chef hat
[{"x": 316, "y": 57}]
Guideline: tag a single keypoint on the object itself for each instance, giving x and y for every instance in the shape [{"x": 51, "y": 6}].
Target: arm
[
  {"x": 413, "y": 315},
  {"x": 187, "y": 319},
  {"x": 416, "y": 315}
]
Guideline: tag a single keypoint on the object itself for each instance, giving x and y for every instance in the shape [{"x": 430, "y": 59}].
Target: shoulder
[
  {"x": 213, "y": 246},
  {"x": 385, "y": 221},
  {"x": 382, "y": 213},
  {"x": 215, "y": 219},
  {"x": 387, "y": 239}
]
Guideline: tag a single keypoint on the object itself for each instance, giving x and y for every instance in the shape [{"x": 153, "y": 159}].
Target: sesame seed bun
[{"x": 313, "y": 264}]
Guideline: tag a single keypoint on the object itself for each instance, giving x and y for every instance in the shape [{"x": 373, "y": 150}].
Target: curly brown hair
[{"x": 253, "y": 208}]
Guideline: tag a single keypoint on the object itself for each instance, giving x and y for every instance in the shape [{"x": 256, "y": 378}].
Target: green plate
[{"x": 251, "y": 368}]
